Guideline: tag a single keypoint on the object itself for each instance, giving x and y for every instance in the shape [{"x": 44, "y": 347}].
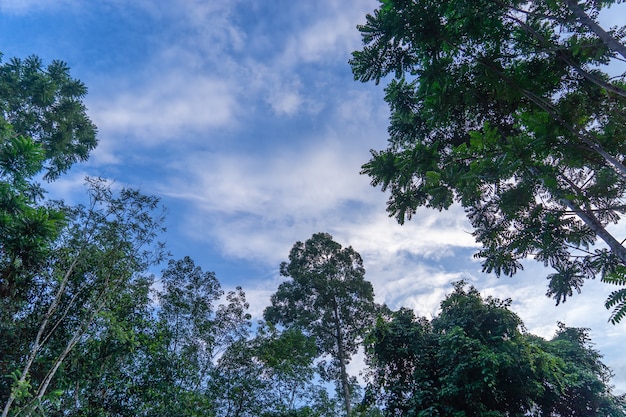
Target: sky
[{"x": 244, "y": 118}]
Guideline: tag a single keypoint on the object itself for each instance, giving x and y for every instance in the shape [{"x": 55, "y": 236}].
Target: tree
[
  {"x": 194, "y": 330},
  {"x": 327, "y": 297},
  {"x": 43, "y": 127},
  {"x": 187, "y": 309},
  {"x": 46, "y": 105},
  {"x": 503, "y": 107},
  {"x": 474, "y": 360},
  {"x": 100, "y": 253},
  {"x": 271, "y": 374}
]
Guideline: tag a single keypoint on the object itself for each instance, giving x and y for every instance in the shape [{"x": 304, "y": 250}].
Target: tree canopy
[
  {"x": 474, "y": 359},
  {"x": 45, "y": 104},
  {"x": 329, "y": 298},
  {"x": 507, "y": 108}
]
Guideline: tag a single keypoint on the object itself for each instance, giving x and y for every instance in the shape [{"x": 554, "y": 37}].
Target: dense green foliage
[
  {"x": 504, "y": 107},
  {"x": 97, "y": 255},
  {"x": 474, "y": 360}
]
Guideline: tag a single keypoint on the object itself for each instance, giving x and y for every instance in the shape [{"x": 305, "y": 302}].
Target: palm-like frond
[{"x": 617, "y": 299}]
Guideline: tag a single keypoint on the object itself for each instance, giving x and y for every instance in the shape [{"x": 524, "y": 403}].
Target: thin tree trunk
[
  {"x": 342, "y": 361},
  {"x": 70, "y": 345},
  {"x": 594, "y": 224},
  {"x": 589, "y": 218},
  {"x": 37, "y": 343}
]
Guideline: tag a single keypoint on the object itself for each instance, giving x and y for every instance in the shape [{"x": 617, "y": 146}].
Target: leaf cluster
[
  {"x": 45, "y": 104},
  {"x": 475, "y": 359}
]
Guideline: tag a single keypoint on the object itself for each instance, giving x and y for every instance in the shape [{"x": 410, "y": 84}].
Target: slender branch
[
  {"x": 65, "y": 313},
  {"x": 71, "y": 344},
  {"x": 42, "y": 327},
  {"x": 604, "y": 36},
  {"x": 565, "y": 58},
  {"x": 596, "y": 226}
]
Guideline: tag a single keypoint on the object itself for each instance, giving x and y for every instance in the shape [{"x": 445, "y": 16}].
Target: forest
[{"x": 500, "y": 107}]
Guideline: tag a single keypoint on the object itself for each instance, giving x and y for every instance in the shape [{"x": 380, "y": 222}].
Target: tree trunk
[
  {"x": 594, "y": 224},
  {"x": 345, "y": 384},
  {"x": 37, "y": 343}
]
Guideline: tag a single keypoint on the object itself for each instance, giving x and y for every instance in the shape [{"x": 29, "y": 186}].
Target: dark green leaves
[
  {"x": 474, "y": 359},
  {"x": 617, "y": 298},
  {"x": 46, "y": 105},
  {"x": 501, "y": 107}
]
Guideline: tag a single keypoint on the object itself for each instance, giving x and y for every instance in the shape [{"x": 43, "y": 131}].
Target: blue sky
[{"x": 244, "y": 118}]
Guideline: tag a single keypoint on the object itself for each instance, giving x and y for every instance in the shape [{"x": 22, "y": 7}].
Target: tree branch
[{"x": 604, "y": 36}]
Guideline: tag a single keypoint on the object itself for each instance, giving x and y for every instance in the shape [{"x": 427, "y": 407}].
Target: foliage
[
  {"x": 194, "y": 331},
  {"x": 503, "y": 107},
  {"x": 100, "y": 253},
  {"x": 617, "y": 298},
  {"x": 27, "y": 227},
  {"x": 328, "y": 298},
  {"x": 45, "y": 104},
  {"x": 473, "y": 359}
]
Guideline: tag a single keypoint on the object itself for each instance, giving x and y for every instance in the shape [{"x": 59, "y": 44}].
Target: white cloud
[
  {"x": 285, "y": 99},
  {"x": 331, "y": 34},
  {"x": 302, "y": 182},
  {"x": 106, "y": 151},
  {"x": 256, "y": 209},
  {"x": 166, "y": 108},
  {"x": 431, "y": 233}
]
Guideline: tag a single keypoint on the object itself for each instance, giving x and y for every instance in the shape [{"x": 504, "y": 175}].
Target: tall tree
[
  {"x": 474, "y": 360},
  {"x": 187, "y": 309},
  {"x": 329, "y": 298},
  {"x": 194, "y": 330},
  {"x": 504, "y": 107},
  {"x": 43, "y": 128}
]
